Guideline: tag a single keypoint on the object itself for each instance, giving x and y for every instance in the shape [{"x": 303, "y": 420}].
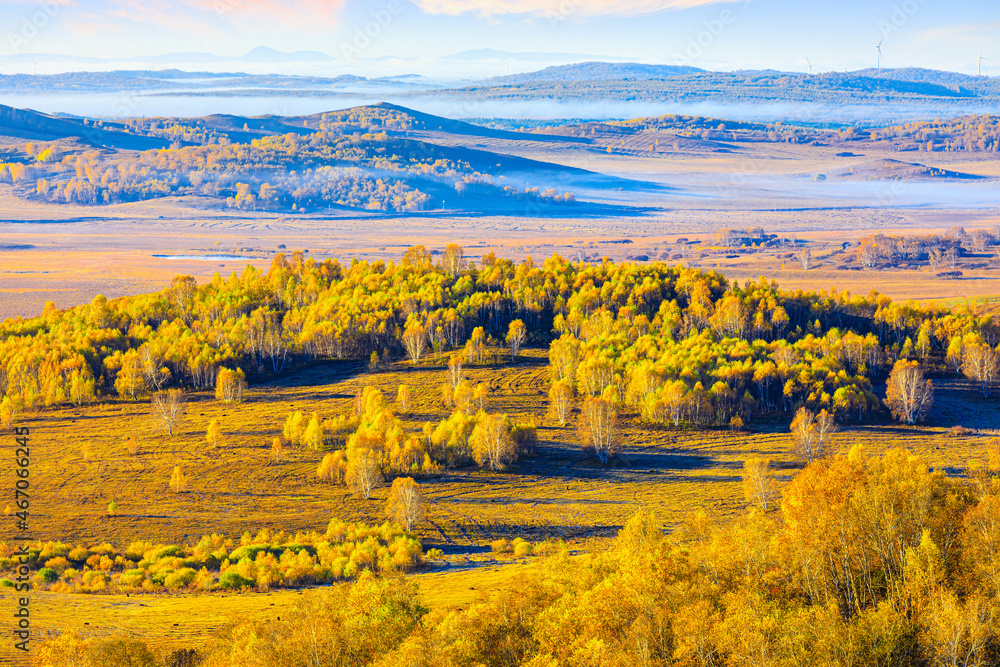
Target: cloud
[
  {"x": 564, "y": 8},
  {"x": 197, "y": 15},
  {"x": 962, "y": 32},
  {"x": 295, "y": 12}
]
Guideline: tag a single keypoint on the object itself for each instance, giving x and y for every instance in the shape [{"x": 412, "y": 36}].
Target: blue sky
[{"x": 779, "y": 34}]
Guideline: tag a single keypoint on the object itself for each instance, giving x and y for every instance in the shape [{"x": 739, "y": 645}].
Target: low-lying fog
[
  {"x": 766, "y": 192},
  {"x": 293, "y": 103}
]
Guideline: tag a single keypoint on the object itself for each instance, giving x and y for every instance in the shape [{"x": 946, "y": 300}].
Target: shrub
[
  {"x": 171, "y": 551},
  {"x": 132, "y": 578},
  {"x": 58, "y": 564},
  {"x": 138, "y": 549},
  {"x": 500, "y": 546},
  {"x": 234, "y": 581},
  {"x": 47, "y": 575},
  {"x": 522, "y": 548},
  {"x": 180, "y": 579},
  {"x": 79, "y": 555},
  {"x": 121, "y": 653}
]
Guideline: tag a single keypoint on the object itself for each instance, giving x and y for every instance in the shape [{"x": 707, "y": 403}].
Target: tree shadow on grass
[{"x": 316, "y": 373}]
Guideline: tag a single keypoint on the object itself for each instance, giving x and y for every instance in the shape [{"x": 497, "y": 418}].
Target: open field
[
  {"x": 650, "y": 187},
  {"x": 62, "y": 268},
  {"x": 183, "y": 620},
  {"x": 561, "y": 493},
  {"x": 672, "y": 195},
  {"x": 81, "y": 464}
]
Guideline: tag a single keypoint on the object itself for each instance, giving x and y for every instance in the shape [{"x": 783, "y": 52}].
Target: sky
[{"x": 415, "y": 34}]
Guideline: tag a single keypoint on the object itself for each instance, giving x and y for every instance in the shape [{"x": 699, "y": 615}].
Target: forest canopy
[{"x": 677, "y": 344}]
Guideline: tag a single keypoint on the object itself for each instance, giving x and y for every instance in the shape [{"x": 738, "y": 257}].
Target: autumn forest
[{"x": 849, "y": 557}]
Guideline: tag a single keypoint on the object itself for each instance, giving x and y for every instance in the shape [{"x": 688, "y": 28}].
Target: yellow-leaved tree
[{"x": 405, "y": 505}]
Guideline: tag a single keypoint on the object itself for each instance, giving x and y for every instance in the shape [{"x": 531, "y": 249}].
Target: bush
[
  {"x": 163, "y": 552},
  {"x": 47, "y": 575},
  {"x": 434, "y": 554},
  {"x": 121, "y": 653},
  {"x": 59, "y": 563},
  {"x": 180, "y": 578},
  {"x": 234, "y": 581},
  {"x": 251, "y": 551},
  {"x": 6, "y": 583},
  {"x": 522, "y": 548},
  {"x": 132, "y": 578},
  {"x": 79, "y": 555},
  {"x": 138, "y": 549},
  {"x": 500, "y": 546}
]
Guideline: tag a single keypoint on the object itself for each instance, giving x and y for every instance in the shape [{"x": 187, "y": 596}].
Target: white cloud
[{"x": 565, "y": 8}]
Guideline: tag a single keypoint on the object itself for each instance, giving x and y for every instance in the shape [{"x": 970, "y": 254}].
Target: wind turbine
[
  {"x": 980, "y": 59},
  {"x": 810, "y": 67},
  {"x": 878, "y": 48}
]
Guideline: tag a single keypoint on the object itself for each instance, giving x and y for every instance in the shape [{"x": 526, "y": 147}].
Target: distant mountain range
[
  {"x": 630, "y": 71},
  {"x": 264, "y": 72},
  {"x": 571, "y": 67},
  {"x": 604, "y": 81},
  {"x": 600, "y": 71}
]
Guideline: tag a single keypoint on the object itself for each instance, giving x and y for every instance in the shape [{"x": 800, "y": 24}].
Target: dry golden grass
[
  {"x": 79, "y": 252},
  {"x": 187, "y": 620},
  {"x": 561, "y": 493}
]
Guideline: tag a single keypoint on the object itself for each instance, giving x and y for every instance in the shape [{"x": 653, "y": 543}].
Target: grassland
[
  {"x": 81, "y": 464},
  {"x": 682, "y": 187},
  {"x": 69, "y": 253}
]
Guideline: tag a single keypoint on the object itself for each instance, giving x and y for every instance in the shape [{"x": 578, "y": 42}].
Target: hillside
[
  {"x": 31, "y": 125},
  {"x": 598, "y": 71},
  {"x": 307, "y": 398},
  {"x": 638, "y": 82},
  {"x": 380, "y": 158}
]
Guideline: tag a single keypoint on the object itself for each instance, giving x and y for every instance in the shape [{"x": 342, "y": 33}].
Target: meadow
[
  {"x": 649, "y": 181},
  {"x": 90, "y": 452},
  {"x": 641, "y": 296},
  {"x": 562, "y": 493}
]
